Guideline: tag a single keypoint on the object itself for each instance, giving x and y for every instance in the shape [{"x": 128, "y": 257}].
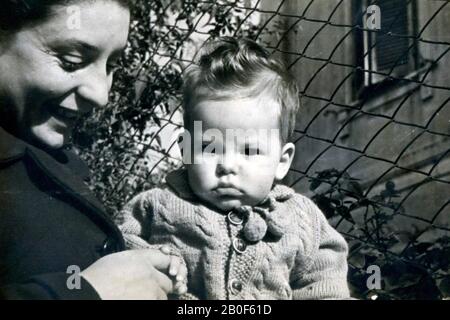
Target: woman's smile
[
  {"x": 64, "y": 119},
  {"x": 63, "y": 113}
]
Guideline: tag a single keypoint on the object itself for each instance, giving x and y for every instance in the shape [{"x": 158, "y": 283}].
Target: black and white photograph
[{"x": 225, "y": 150}]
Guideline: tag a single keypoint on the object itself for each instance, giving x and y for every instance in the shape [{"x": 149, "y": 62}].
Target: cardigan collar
[{"x": 260, "y": 220}]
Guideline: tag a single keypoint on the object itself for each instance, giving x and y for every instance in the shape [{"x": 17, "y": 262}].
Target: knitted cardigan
[{"x": 300, "y": 256}]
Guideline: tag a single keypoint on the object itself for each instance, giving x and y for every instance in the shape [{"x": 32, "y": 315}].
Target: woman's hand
[
  {"x": 133, "y": 274},
  {"x": 177, "y": 271}
]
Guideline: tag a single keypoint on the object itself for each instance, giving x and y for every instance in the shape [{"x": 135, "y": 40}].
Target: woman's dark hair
[{"x": 15, "y": 14}]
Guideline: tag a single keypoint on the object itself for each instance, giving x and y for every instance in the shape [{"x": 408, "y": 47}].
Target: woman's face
[{"x": 55, "y": 71}]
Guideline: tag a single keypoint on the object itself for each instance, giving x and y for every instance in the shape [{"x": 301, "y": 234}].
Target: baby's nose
[{"x": 228, "y": 164}]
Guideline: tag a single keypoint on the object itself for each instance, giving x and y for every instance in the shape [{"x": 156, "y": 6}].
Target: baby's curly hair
[{"x": 230, "y": 68}]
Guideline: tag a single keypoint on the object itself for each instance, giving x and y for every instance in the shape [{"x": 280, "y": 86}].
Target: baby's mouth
[{"x": 228, "y": 191}]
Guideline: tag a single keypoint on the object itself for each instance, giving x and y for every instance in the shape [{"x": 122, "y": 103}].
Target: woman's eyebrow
[
  {"x": 84, "y": 46},
  {"x": 75, "y": 44}
]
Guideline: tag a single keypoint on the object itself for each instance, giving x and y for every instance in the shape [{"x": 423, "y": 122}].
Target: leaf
[
  {"x": 323, "y": 188},
  {"x": 358, "y": 260},
  {"x": 398, "y": 247},
  {"x": 325, "y": 205},
  {"x": 352, "y": 188},
  {"x": 390, "y": 186},
  {"x": 371, "y": 259},
  {"x": 315, "y": 183},
  {"x": 377, "y": 199},
  {"x": 422, "y": 247},
  {"x": 355, "y": 247},
  {"x": 344, "y": 212},
  {"x": 439, "y": 258},
  {"x": 400, "y": 275},
  {"x": 404, "y": 236}
]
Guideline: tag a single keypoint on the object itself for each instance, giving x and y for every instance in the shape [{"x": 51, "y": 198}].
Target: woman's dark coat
[{"x": 50, "y": 224}]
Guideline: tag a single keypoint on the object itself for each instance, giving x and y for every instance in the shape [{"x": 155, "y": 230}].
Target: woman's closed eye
[
  {"x": 74, "y": 63},
  {"x": 71, "y": 63}
]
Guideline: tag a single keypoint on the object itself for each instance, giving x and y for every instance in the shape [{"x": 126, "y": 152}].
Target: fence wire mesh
[{"x": 372, "y": 135}]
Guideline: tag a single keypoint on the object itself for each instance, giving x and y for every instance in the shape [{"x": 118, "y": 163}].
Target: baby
[{"x": 240, "y": 233}]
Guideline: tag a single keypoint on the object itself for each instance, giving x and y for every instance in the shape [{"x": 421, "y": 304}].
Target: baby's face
[{"x": 236, "y": 154}]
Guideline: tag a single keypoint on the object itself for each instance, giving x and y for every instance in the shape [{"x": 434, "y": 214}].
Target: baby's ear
[{"x": 286, "y": 157}]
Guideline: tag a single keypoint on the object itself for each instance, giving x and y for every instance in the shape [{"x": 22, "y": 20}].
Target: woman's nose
[{"x": 94, "y": 89}]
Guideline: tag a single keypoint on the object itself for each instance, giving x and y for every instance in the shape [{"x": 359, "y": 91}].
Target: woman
[{"x": 55, "y": 65}]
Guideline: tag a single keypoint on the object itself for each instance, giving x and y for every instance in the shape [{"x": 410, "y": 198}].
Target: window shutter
[{"x": 392, "y": 50}]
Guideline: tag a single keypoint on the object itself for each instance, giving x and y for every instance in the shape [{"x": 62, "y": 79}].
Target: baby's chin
[{"x": 227, "y": 205}]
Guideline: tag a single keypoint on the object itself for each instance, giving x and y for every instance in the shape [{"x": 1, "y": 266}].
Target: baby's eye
[{"x": 251, "y": 151}]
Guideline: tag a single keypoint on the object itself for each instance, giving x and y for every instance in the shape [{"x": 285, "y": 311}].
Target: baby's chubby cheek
[
  {"x": 200, "y": 180},
  {"x": 259, "y": 191}
]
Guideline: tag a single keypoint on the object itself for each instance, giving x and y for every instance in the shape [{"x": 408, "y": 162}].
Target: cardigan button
[
  {"x": 109, "y": 246},
  {"x": 239, "y": 245},
  {"x": 234, "y": 218},
  {"x": 235, "y": 286}
]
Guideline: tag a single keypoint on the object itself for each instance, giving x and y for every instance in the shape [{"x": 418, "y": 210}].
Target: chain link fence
[{"x": 372, "y": 135}]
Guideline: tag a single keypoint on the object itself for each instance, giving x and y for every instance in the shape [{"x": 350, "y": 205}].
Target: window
[{"x": 390, "y": 50}]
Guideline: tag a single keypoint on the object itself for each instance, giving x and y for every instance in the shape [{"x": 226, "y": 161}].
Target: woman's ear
[{"x": 286, "y": 157}]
